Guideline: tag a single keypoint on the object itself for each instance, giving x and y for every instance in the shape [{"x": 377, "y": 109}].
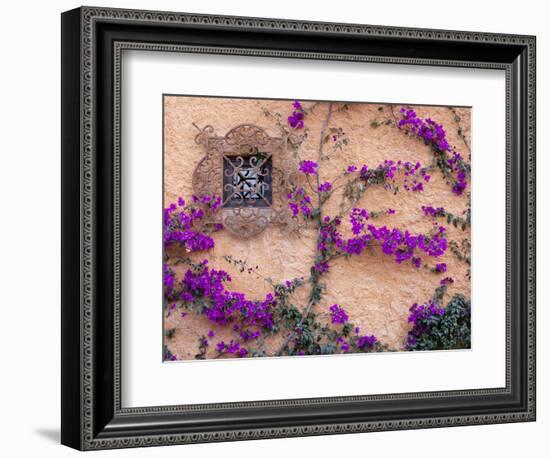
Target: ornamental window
[{"x": 252, "y": 172}]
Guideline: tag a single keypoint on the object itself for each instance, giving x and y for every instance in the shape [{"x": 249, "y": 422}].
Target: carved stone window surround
[{"x": 246, "y": 146}]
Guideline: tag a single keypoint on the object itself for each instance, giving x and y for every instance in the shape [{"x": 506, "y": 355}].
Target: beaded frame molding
[{"x": 93, "y": 40}]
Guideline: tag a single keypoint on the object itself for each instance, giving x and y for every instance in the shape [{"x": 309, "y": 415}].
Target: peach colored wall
[{"x": 374, "y": 290}]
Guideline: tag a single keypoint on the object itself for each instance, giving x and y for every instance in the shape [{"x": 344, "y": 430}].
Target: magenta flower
[
  {"x": 434, "y": 134},
  {"x": 299, "y": 202},
  {"x": 296, "y": 120},
  {"x": 366, "y": 341},
  {"x": 224, "y": 307},
  {"x": 180, "y": 223},
  {"x": 441, "y": 267},
  {"x": 321, "y": 267},
  {"x": 243, "y": 352},
  {"x": 337, "y": 314},
  {"x": 357, "y": 218},
  {"x": 308, "y": 167},
  {"x": 233, "y": 347},
  {"x": 434, "y": 212}
]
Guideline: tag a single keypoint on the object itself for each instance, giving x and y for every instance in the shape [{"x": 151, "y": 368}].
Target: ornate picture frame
[{"x": 93, "y": 416}]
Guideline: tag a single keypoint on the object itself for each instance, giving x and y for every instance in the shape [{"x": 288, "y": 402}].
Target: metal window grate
[{"x": 247, "y": 181}]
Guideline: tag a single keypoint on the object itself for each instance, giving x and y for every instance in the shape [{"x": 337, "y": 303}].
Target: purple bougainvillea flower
[
  {"x": 294, "y": 208},
  {"x": 357, "y": 218},
  {"x": 186, "y": 296},
  {"x": 459, "y": 187},
  {"x": 321, "y": 266},
  {"x": 432, "y": 329},
  {"x": 299, "y": 202},
  {"x": 337, "y": 314},
  {"x": 434, "y": 212},
  {"x": 434, "y": 134},
  {"x": 296, "y": 120},
  {"x": 168, "y": 279},
  {"x": 224, "y": 307},
  {"x": 441, "y": 267},
  {"x": 180, "y": 223},
  {"x": 233, "y": 347},
  {"x": 366, "y": 341},
  {"x": 243, "y": 352},
  {"x": 308, "y": 167}
]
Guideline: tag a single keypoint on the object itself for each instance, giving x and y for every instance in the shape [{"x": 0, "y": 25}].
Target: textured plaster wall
[{"x": 375, "y": 291}]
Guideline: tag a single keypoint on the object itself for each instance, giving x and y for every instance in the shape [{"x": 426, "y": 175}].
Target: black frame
[{"x": 92, "y": 42}]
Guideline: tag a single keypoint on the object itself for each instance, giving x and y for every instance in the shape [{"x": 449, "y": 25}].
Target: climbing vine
[{"x": 306, "y": 328}]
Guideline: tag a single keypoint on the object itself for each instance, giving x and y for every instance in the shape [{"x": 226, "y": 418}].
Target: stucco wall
[{"x": 375, "y": 291}]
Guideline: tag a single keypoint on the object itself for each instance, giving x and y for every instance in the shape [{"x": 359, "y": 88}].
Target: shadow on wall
[{"x": 52, "y": 435}]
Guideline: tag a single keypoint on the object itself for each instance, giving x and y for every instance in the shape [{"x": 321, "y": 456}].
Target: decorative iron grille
[{"x": 247, "y": 181}]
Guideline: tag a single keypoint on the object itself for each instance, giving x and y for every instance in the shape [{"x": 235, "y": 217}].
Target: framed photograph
[{"x": 276, "y": 228}]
